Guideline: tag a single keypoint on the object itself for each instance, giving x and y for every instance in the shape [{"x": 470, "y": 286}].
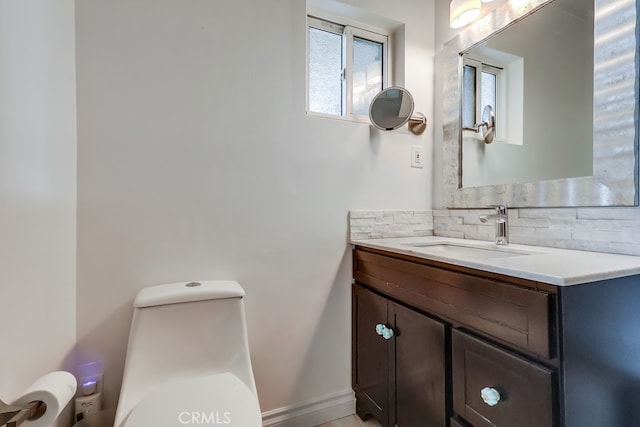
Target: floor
[{"x": 351, "y": 421}]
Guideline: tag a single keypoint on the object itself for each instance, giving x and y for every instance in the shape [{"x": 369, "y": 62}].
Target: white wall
[
  {"x": 37, "y": 190},
  {"x": 196, "y": 160}
]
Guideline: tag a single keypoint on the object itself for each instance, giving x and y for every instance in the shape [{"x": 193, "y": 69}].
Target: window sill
[{"x": 353, "y": 118}]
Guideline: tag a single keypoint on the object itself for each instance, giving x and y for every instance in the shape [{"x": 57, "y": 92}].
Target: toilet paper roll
[{"x": 55, "y": 389}]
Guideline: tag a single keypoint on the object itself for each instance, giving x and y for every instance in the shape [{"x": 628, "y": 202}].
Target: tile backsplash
[
  {"x": 613, "y": 230},
  {"x": 389, "y": 223}
]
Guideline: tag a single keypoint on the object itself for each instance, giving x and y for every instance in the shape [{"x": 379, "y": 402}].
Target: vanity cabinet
[
  {"x": 490, "y": 349},
  {"x": 399, "y": 362},
  {"x": 463, "y": 349},
  {"x": 472, "y": 348}
]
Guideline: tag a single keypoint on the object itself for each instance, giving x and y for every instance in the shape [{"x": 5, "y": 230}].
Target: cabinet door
[
  {"x": 419, "y": 374},
  {"x": 370, "y": 355}
]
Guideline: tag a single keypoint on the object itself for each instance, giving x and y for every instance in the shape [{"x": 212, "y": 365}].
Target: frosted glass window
[
  {"x": 347, "y": 67},
  {"x": 488, "y": 92},
  {"x": 325, "y": 72},
  {"x": 367, "y": 73},
  {"x": 468, "y": 96},
  {"x": 481, "y": 86}
]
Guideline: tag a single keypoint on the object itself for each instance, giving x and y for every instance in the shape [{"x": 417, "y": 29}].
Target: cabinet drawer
[
  {"x": 510, "y": 313},
  {"x": 519, "y": 392}
]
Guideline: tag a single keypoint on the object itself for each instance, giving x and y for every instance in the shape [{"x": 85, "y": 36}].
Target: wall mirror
[{"x": 565, "y": 109}]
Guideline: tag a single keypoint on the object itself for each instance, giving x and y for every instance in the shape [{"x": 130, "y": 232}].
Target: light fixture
[{"x": 462, "y": 12}]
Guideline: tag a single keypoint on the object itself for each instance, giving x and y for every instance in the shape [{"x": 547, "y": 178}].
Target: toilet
[{"x": 188, "y": 359}]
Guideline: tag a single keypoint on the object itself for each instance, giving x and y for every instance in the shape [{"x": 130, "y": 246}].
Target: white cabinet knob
[
  {"x": 490, "y": 396},
  {"x": 387, "y": 333}
]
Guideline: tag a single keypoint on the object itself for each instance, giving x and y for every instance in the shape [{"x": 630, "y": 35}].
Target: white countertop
[{"x": 561, "y": 267}]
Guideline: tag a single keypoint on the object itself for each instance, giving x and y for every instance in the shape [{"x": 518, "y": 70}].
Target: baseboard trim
[{"x": 326, "y": 408}]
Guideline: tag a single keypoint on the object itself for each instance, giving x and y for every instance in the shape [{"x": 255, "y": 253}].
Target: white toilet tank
[{"x": 182, "y": 332}]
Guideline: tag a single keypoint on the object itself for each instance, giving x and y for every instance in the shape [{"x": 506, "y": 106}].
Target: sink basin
[{"x": 469, "y": 251}]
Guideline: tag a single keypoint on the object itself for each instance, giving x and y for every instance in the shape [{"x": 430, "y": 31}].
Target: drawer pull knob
[
  {"x": 490, "y": 396},
  {"x": 380, "y": 328},
  {"x": 387, "y": 333}
]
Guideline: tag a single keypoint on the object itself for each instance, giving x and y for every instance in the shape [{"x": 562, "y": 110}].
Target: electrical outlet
[{"x": 417, "y": 159}]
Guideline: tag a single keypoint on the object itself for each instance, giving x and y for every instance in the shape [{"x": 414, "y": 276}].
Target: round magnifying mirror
[
  {"x": 391, "y": 109},
  {"x": 488, "y": 124}
]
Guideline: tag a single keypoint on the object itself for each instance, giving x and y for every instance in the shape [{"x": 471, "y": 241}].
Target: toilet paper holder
[{"x": 13, "y": 416}]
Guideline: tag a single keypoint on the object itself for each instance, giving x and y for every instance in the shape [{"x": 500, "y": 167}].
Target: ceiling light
[{"x": 462, "y": 12}]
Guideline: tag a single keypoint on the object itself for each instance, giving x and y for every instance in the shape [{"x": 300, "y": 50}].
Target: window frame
[
  {"x": 348, "y": 32},
  {"x": 500, "y": 110}
]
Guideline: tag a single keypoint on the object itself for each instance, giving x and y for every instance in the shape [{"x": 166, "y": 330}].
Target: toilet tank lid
[{"x": 175, "y": 293}]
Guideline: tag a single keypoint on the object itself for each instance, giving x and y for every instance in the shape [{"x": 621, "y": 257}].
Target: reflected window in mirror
[
  {"x": 543, "y": 69},
  {"x": 587, "y": 92},
  {"x": 347, "y": 67},
  {"x": 496, "y": 81},
  {"x": 469, "y": 90},
  {"x": 482, "y": 85}
]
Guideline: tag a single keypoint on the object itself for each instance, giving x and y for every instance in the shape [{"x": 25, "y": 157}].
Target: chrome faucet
[{"x": 502, "y": 224}]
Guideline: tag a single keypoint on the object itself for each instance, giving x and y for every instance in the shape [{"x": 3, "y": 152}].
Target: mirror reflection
[
  {"x": 486, "y": 128},
  {"x": 537, "y": 76}
]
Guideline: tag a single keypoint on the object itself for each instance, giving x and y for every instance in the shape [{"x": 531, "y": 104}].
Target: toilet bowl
[{"x": 188, "y": 359}]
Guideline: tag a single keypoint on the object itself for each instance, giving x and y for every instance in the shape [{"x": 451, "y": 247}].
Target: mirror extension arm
[
  {"x": 487, "y": 127},
  {"x": 417, "y": 123}
]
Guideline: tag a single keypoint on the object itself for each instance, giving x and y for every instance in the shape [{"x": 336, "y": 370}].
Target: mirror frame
[{"x": 615, "y": 107}]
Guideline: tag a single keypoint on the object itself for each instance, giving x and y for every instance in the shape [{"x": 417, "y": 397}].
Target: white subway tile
[
  {"x": 480, "y": 235},
  {"x": 454, "y": 234},
  {"x": 614, "y": 229},
  {"x": 365, "y": 214},
  {"x": 529, "y": 222},
  {"x": 522, "y": 231},
  {"x": 547, "y": 213},
  {"x": 465, "y": 228},
  {"x": 359, "y": 222},
  {"x": 447, "y": 220},
  {"x": 609, "y": 213},
  {"x": 598, "y": 235},
  {"x": 397, "y": 213},
  {"x": 553, "y": 233}
]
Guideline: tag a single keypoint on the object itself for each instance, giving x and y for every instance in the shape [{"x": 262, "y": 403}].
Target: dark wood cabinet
[
  {"x": 478, "y": 349},
  {"x": 399, "y": 374},
  {"x": 493, "y": 387},
  {"x": 371, "y": 361}
]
